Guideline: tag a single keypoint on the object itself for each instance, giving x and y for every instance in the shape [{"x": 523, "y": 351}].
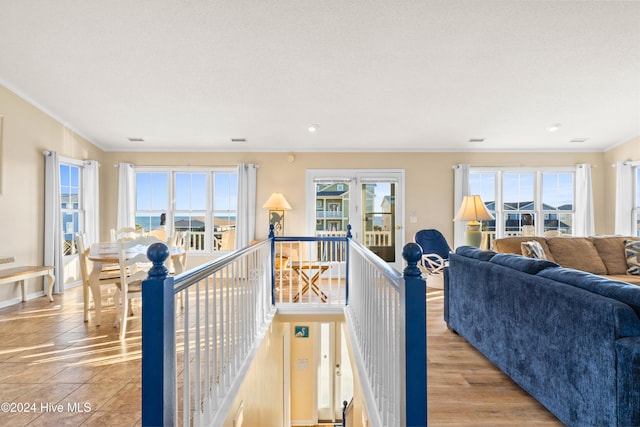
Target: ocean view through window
[{"x": 202, "y": 201}]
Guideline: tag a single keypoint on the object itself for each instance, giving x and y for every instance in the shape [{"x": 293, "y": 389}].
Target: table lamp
[
  {"x": 473, "y": 210},
  {"x": 277, "y": 204}
]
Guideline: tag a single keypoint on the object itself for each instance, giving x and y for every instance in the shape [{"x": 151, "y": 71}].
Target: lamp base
[{"x": 473, "y": 235}]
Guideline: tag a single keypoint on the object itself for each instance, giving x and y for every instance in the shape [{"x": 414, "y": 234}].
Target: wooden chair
[
  {"x": 108, "y": 276},
  {"x": 179, "y": 263},
  {"x": 159, "y": 233},
  {"x": 134, "y": 266},
  {"x": 228, "y": 240},
  {"x": 127, "y": 233}
]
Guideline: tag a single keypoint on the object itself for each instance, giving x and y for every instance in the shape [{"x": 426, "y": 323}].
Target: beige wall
[
  {"x": 429, "y": 179},
  {"x": 262, "y": 391},
  {"x": 27, "y": 133}
]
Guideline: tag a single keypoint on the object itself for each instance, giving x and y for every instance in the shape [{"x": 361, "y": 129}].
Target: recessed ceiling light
[
  {"x": 136, "y": 139},
  {"x": 238, "y": 139},
  {"x": 476, "y": 140},
  {"x": 313, "y": 128},
  {"x": 578, "y": 140},
  {"x": 554, "y": 127}
]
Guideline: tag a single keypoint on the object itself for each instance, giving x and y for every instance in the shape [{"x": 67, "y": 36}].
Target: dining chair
[
  {"x": 180, "y": 241},
  {"x": 108, "y": 276},
  {"x": 134, "y": 267},
  {"x": 177, "y": 264},
  {"x": 159, "y": 233},
  {"x": 126, "y": 233}
]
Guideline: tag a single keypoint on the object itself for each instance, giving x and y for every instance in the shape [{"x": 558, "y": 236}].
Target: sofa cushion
[
  {"x": 611, "y": 251},
  {"x": 576, "y": 252},
  {"x": 473, "y": 252},
  {"x": 518, "y": 262},
  {"x": 532, "y": 249},
  {"x": 623, "y": 292},
  {"x": 632, "y": 254},
  {"x": 511, "y": 245}
]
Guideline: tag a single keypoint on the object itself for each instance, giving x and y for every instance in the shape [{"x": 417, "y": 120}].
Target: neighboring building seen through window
[
  {"x": 71, "y": 206},
  {"x": 525, "y": 202}
]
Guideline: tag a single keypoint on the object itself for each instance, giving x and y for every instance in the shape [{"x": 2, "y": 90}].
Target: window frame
[
  {"x": 538, "y": 212},
  {"x": 209, "y": 246},
  {"x": 71, "y": 249}
]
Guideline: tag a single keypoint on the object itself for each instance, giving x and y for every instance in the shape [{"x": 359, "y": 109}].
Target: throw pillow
[
  {"x": 532, "y": 249},
  {"x": 632, "y": 253}
]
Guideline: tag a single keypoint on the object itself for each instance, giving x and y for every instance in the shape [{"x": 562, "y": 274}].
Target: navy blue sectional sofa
[{"x": 569, "y": 338}]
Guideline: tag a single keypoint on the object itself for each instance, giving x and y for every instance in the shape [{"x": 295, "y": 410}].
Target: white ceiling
[{"x": 402, "y": 75}]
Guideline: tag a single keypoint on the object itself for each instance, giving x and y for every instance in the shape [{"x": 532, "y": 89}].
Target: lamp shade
[
  {"x": 473, "y": 209},
  {"x": 277, "y": 202}
]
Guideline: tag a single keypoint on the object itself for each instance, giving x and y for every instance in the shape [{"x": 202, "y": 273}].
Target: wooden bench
[{"x": 20, "y": 274}]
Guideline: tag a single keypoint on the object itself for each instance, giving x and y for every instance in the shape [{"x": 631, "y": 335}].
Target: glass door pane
[
  {"x": 378, "y": 218},
  {"x": 332, "y": 208}
]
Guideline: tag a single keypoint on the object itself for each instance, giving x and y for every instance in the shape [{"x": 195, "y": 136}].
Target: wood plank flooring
[
  {"x": 56, "y": 370},
  {"x": 465, "y": 389}
]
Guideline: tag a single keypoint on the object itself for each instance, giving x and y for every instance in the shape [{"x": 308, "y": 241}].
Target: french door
[
  {"x": 335, "y": 377},
  {"x": 371, "y": 201}
]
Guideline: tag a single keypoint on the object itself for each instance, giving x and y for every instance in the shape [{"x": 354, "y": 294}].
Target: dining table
[{"x": 105, "y": 255}]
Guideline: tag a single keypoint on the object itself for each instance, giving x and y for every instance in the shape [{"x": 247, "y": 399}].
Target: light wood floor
[{"x": 67, "y": 372}]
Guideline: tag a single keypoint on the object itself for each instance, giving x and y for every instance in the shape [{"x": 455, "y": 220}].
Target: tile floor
[{"x": 56, "y": 370}]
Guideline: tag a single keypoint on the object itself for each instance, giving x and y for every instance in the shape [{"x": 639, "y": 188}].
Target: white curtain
[
  {"x": 584, "y": 221},
  {"x": 52, "y": 225},
  {"x": 91, "y": 198},
  {"x": 126, "y": 196},
  {"x": 624, "y": 199},
  {"x": 246, "y": 218},
  {"x": 461, "y": 189}
]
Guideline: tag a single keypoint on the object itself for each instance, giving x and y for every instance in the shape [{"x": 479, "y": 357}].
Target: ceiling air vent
[
  {"x": 579, "y": 140},
  {"x": 238, "y": 139},
  {"x": 476, "y": 140},
  {"x": 136, "y": 139}
]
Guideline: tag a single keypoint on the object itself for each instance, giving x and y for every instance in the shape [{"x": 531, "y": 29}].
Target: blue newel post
[
  {"x": 272, "y": 237},
  {"x": 414, "y": 297},
  {"x": 158, "y": 342}
]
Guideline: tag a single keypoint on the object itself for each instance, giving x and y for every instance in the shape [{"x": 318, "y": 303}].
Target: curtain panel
[
  {"x": 52, "y": 225},
  {"x": 584, "y": 224},
  {"x": 461, "y": 189},
  {"x": 624, "y": 199},
  {"x": 91, "y": 198},
  {"x": 126, "y": 196},
  {"x": 246, "y": 216}
]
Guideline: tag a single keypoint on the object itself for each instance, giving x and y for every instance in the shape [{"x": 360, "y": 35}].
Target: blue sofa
[{"x": 569, "y": 338}]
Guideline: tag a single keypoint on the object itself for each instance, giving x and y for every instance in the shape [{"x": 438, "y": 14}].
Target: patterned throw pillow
[
  {"x": 532, "y": 249},
  {"x": 632, "y": 253}
]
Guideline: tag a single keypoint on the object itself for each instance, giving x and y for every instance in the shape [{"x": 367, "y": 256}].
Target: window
[
  {"x": 526, "y": 202},
  {"x": 71, "y": 207},
  {"x": 203, "y": 202}
]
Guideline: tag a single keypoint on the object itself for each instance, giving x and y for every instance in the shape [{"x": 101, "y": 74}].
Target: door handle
[{"x": 398, "y": 227}]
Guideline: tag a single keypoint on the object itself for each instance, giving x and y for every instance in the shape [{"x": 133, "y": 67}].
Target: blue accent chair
[{"x": 435, "y": 256}]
